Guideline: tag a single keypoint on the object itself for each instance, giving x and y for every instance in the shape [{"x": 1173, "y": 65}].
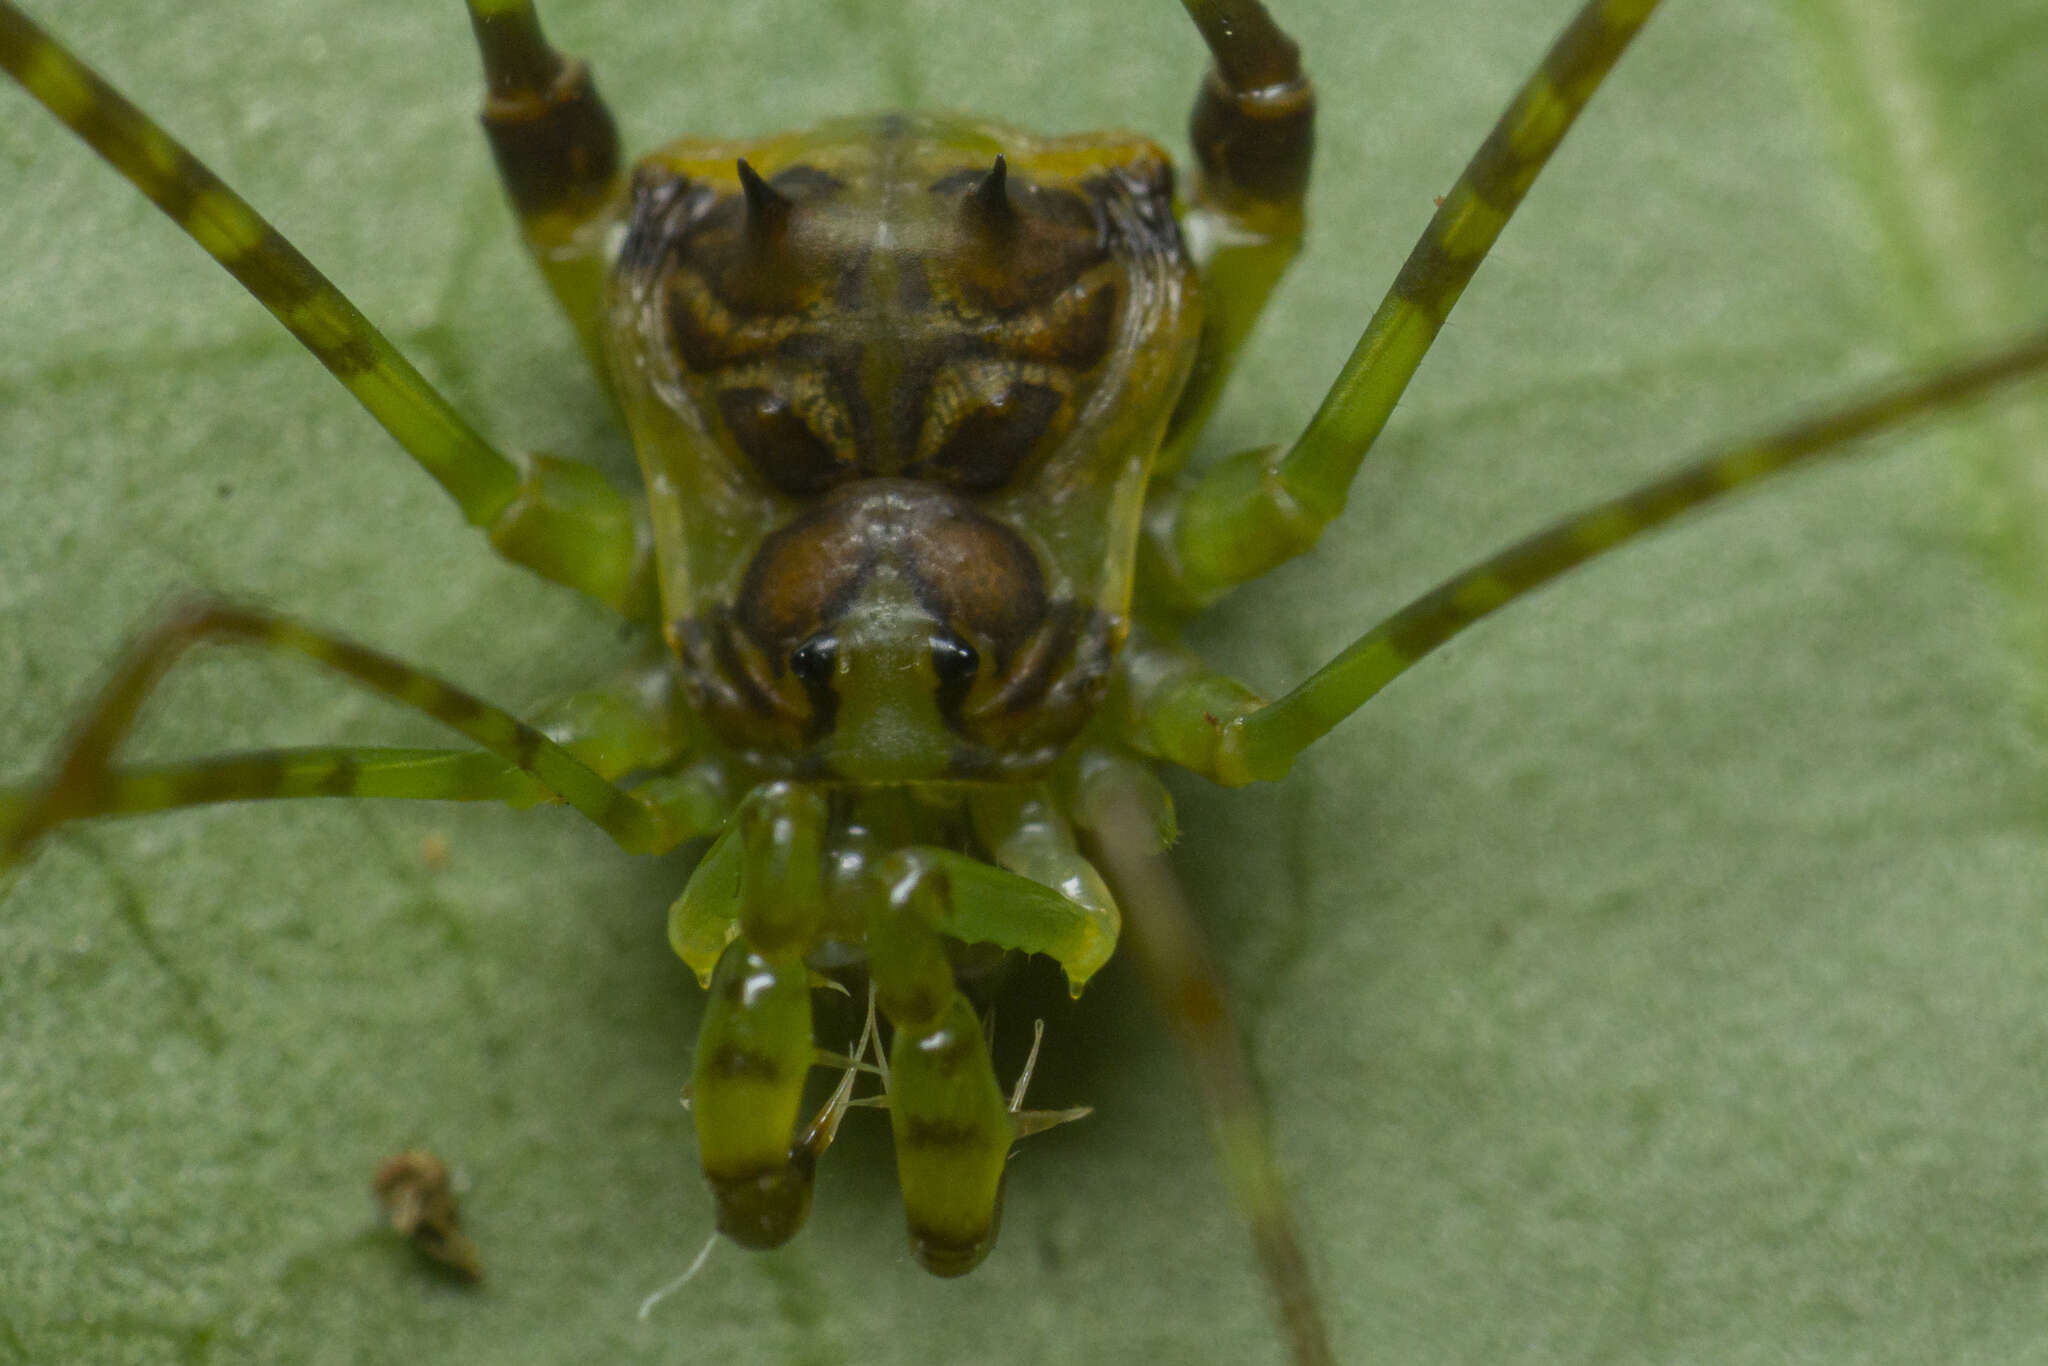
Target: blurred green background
[{"x": 1656, "y": 974}]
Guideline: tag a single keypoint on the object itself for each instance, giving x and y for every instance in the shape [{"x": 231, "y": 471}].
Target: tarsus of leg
[
  {"x": 1170, "y": 951},
  {"x": 83, "y": 774},
  {"x": 1213, "y": 726},
  {"x": 1262, "y": 507},
  {"x": 589, "y": 544}
]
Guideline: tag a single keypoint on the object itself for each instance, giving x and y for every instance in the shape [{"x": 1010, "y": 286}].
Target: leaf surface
[{"x": 1656, "y": 974}]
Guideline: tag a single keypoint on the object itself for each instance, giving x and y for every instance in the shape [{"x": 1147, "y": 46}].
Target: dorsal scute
[{"x": 876, "y": 299}]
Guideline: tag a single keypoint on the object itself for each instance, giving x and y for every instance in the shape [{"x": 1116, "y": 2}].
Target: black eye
[
  {"x": 812, "y": 661},
  {"x": 954, "y": 660}
]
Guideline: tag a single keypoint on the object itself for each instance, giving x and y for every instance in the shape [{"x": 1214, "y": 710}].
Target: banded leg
[
  {"x": 628, "y": 728},
  {"x": 1259, "y": 508},
  {"x": 561, "y": 519},
  {"x": 462, "y": 775},
  {"x": 1215, "y": 726},
  {"x": 557, "y": 151},
  {"x": 1175, "y": 960},
  {"x": 1253, "y": 132},
  {"x": 85, "y": 781}
]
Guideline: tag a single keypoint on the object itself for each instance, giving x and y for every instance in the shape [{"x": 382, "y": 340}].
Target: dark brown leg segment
[
  {"x": 1253, "y": 131},
  {"x": 558, "y": 155},
  {"x": 1254, "y": 123},
  {"x": 556, "y": 145}
]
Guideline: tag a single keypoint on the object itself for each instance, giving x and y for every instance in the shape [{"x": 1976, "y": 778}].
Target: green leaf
[{"x": 1657, "y": 973}]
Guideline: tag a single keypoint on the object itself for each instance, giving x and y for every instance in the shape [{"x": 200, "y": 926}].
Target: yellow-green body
[{"x": 891, "y": 414}]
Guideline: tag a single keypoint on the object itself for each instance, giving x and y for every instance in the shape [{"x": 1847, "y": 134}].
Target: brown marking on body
[
  {"x": 959, "y": 354},
  {"x": 1035, "y": 666}
]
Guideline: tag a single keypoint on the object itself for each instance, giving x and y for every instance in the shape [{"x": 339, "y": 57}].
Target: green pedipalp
[
  {"x": 953, "y": 1134},
  {"x": 753, "y": 1055},
  {"x": 782, "y": 830}
]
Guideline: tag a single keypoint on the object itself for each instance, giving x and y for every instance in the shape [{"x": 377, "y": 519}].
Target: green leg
[
  {"x": 1262, "y": 507},
  {"x": 626, "y": 729},
  {"x": 558, "y": 155},
  {"x": 85, "y": 781},
  {"x": 1215, "y": 726},
  {"x": 632, "y": 723},
  {"x": 611, "y": 733},
  {"x": 1253, "y": 130},
  {"x": 459, "y": 775},
  {"x": 556, "y": 517},
  {"x": 1170, "y": 951}
]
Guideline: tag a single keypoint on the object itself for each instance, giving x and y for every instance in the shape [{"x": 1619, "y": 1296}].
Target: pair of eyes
[{"x": 953, "y": 660}]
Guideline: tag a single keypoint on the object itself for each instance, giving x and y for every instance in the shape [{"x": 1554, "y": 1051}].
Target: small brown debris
[
  {"x": 417, "y": 1194},
  {"x": 434, "y": 850}
]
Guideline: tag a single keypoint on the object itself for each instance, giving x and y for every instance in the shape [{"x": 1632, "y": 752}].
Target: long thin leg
[
  {"x": 461, "y": 775},
  {"x": 1262, "y": 507},
  {"x": 626, "y": 729},
  {"x": 1216, "y": 726},
  {"x": 84, "y": 775},
  {"x": 692, "y": 806},
  {"x": 1170, "y": 950},
  {"x": 1253, "y": 130},
  {"x": 558, "y": 155},
  {"x": 556, "y": 517}
]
